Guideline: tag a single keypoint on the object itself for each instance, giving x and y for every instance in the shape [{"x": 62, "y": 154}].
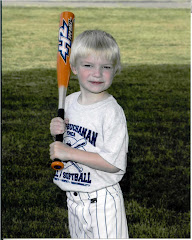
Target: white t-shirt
[{"x": 99, "y": 128}]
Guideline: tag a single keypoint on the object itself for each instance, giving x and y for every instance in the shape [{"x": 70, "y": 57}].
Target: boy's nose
[{"x": 97, "y": 72}]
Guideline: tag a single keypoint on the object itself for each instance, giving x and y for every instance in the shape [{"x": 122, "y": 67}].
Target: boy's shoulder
[
  {"x": 71, "y": 97},
  {"x": 112, "y": 103},
  {"x": 112, "y": 114},
  {"x": 110, "y": 109}
]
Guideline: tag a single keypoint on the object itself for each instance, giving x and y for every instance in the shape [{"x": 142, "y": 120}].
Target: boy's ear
[{"x": 73, "y": 69}]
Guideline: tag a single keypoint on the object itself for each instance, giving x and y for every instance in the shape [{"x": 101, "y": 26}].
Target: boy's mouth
[{"x": 95, "y": 82}]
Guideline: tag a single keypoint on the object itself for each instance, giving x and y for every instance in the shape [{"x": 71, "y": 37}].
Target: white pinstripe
[{"x": 104, "y": 218}]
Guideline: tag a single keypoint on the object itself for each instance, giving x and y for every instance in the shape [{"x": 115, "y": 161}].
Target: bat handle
[{"x": 57, "y": 164}]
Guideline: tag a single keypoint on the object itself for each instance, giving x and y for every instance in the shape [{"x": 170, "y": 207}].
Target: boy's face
[{"x": 95, "y": 73}]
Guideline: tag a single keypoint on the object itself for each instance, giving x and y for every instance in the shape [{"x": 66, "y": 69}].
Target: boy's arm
[{"x": 93, "y": 160}]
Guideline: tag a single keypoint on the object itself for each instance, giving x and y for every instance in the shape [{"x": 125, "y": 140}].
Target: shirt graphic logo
[
  {"x": 81, "y": 178},
  {"x": 74, "y": 173},
  {"x": 86, "y": 133},
  {"x": 65, "y": 38},
  {"x": 77, "y": 144}
]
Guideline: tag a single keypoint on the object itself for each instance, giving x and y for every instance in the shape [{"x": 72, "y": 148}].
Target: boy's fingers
[
  {"x": 66, "y": 120},
  {"x": 52, "y": 149},
  {"x": 51, "y": 145},
  {"x": 57, "y": 125},
  {"x": 57, "y": 120}
]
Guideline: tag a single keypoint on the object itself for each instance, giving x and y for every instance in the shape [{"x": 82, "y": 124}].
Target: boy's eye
[
  {"x": 87, "y": 65},
  {"x": 107, "y": 67}
]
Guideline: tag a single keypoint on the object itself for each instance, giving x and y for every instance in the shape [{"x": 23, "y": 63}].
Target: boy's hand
[
  {"x": 57, "y": 126},
  {"x": 59, "y": 150}
]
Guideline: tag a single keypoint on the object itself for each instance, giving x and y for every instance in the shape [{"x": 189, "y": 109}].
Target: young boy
[{"x": 95, "y": 142}]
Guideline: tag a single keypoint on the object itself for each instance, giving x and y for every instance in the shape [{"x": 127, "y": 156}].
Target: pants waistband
[{"x": 79, "y": 196}]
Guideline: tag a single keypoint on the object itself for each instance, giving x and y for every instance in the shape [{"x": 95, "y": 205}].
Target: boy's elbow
[{"x": 114, "y": 169}]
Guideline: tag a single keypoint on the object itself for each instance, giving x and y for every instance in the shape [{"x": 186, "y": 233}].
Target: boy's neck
[{"x": 91, "y": 98}]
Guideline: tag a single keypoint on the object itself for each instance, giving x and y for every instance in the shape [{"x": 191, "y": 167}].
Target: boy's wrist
[{"x": 71, "y": 153}]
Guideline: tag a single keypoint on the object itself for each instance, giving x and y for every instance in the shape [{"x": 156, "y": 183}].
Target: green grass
[
  {"x": 145, "y": 36},
  {"x": 153, "y": 89}
]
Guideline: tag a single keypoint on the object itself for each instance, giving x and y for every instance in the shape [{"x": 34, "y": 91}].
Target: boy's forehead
[{"x": 96, "y": 57}]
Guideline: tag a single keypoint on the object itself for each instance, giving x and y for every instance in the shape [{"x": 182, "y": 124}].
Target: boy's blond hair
[{"x": 96, "y": 42}]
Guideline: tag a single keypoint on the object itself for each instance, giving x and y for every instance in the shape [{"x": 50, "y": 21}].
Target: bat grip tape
[
  {"x": 59, "y": 137},
  {"x": 60, "y": 114}
]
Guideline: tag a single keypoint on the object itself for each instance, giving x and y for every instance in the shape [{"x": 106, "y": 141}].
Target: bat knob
[{"x": 57, "y": 165}]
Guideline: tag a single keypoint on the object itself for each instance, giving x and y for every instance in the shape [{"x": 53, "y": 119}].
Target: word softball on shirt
[{"x": 77, "y": 137}]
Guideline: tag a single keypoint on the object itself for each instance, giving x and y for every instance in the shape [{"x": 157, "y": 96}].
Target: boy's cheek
[{"x": 109, "y": 75}]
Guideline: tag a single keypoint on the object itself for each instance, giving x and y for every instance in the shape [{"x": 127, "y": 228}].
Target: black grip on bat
[
  {"x": 56, "y": 165},
  {"x": 61, "y": 113},
  {"x": 59, "y": 137}
]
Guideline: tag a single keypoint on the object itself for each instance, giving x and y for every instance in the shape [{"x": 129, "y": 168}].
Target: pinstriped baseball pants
[{"x": 99, "y": 214}]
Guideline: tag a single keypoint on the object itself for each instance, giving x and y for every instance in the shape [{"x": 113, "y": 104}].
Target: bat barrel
[{"x": 66, "y": 34}]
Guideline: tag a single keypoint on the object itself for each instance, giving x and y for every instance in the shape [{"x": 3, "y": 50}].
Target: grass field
[{"x": 153, "y": 89}]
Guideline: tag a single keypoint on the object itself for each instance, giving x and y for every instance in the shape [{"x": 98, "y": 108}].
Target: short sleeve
[{"x": 115, "y": 145}]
